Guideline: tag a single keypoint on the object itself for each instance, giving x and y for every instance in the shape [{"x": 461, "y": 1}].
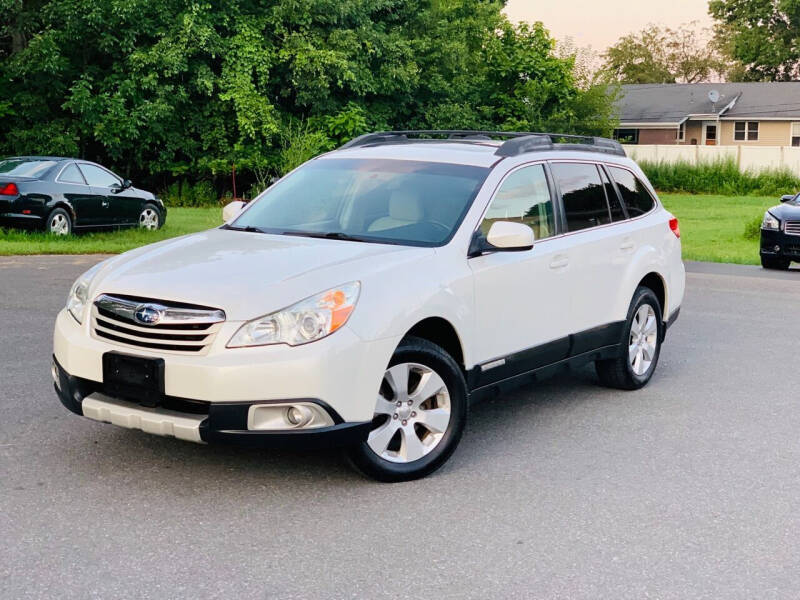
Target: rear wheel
[
  {"x": 420, "y": 414},
  {"x": 639, "y": 347},
  {"x": 150, "y": 217},
  {"x": 59, "y": 222},
  {"x": 780, "y": 264}
]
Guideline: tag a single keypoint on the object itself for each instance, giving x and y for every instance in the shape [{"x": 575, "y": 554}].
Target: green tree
[
  {"x": 166, "y": 89},
  {"x": 762, "y": 35},
  {"x": 663, "y": 55}
]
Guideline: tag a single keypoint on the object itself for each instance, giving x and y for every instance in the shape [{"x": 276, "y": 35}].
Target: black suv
[{"x": 60, "y": 195}]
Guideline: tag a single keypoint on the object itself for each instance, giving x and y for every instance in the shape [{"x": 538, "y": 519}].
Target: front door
[
  {"x": 710, "y": 134},
  {"x": 88, "y": 205},
  {"x": 118, "y": 208},
  {"x": 522, "y": 299}
]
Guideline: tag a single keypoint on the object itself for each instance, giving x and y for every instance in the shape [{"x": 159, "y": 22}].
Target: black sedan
[
  {"x": 780, "y": 234},
  {"x": 62, "y": 195}
]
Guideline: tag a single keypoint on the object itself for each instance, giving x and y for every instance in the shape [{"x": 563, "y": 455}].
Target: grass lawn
[
  {"x": 712, "y": 229},
  {"x": 180, "y": 221}
]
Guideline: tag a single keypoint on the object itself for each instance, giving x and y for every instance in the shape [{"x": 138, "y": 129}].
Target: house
[{"x": 724, "y": 114}]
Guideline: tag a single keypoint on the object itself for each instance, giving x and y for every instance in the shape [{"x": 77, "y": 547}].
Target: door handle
[
  {"x": 104, "y": 204},
  {"x": 627, "y": 245},
  {"x": 559, "y": 262}
]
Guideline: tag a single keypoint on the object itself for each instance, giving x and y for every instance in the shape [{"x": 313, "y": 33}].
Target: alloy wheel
[
  {"x": 411, "y": 415},
  {"x": 59, "y": 225},
  {"x": 643, "y": 339},
  {"x": 148, "y": 219}
]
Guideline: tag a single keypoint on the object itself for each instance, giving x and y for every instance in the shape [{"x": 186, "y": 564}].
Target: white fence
[{"x": 748, "y": 158}]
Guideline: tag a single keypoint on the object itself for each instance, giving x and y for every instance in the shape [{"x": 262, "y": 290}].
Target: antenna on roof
[{"x": 713, "y": 95}]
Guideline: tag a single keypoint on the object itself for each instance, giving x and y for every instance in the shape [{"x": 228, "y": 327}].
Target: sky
[{"x": 600, "y": 23}]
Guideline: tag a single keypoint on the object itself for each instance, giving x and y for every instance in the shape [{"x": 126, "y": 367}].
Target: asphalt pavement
[{"x": 689, "y": 488}]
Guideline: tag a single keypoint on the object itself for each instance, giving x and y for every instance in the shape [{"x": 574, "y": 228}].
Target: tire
[
  {"x": 150, "y": 217},
  {"x": 631, "y": 370},
  {"x": 412, "y": 448},
  {"x": 778, "y": 264},
  {"x": 59, "y": 222}
]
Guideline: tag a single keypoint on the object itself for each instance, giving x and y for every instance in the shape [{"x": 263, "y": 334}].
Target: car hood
[
  {"x": 245, "y": 274},
  {"x": 787, "y": 210}
]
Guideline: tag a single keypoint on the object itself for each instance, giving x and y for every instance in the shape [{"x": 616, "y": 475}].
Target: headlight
[
  {"x": 78, "y": 299},
  {"x": 307, "y": 321},
  {"x": 770, "y": 222}
]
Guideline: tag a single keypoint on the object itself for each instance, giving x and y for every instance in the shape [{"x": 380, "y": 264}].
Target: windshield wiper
[
  {"x": 328, "y": 235},
  {"x": 248, "y": 228}
]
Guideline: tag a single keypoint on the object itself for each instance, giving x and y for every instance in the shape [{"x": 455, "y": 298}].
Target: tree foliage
[
  {"x": 166, "y": 89},
  {"x": 664, "y": 55},
  {"x": 762, "y": 35}
]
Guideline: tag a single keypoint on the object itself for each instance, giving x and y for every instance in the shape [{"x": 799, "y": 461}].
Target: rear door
[
  {"x": 601, "y": 249},
  {"x": 120, "y": 208},
  {"x": 88, "y": 205},
  {"x": 522, "y": 299}
]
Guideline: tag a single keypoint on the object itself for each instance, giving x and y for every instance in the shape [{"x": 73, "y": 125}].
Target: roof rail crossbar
[{"x": 517, "y": 142}]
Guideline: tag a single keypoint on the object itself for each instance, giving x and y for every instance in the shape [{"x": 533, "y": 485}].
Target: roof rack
[{"x": 517, "y": 143}]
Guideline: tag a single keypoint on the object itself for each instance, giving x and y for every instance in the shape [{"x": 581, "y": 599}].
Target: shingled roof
[{"x": 673, "y": 103}]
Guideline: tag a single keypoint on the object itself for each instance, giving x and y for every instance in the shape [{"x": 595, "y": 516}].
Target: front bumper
[
  {"x": 777, "y": 244},
  {"x": 197, "y": 421}
]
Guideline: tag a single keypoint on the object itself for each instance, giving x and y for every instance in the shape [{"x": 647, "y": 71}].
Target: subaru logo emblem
[{"x": 148, "y": 314}]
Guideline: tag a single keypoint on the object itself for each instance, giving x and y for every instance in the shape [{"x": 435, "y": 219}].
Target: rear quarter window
[{"x": 635, "y": 196}]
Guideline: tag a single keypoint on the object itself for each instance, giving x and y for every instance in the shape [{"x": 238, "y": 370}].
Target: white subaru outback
[{"x": 367, "y": 297}]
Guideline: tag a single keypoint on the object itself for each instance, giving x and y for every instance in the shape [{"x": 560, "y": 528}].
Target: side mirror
[
  {"x": 508, "y": 236},
  {"x": 788, "y": 197},
  {"x": 126, "y": 184},
  {"x": 503, "y": 236},
  {"x": 232, "y": 209}
]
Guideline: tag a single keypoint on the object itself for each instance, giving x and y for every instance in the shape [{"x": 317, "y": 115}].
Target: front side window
[
  {"x": 373, "y": 200},
  {"x": 745, "y": 131},
  {"x": 71, "y": 175},
  {"x": 582, "y": 194},
  {"x": 635, "y": 195},
  {"x": 523, "y": 197},
  {"x": 25, "y": 167},
  {"x": 97, "y": 177}
]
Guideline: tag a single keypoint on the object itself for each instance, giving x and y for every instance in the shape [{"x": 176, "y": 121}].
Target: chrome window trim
[{"x": 58, "y": 177}]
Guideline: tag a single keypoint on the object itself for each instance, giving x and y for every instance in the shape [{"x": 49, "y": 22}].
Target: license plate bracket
[{"x": 134, "y": 378}]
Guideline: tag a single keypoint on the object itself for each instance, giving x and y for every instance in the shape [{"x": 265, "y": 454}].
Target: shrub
[
  {"x": 752, "y": 229},
  {"x": 182, "y": 193},
  {"x": 718, "y": 177}
]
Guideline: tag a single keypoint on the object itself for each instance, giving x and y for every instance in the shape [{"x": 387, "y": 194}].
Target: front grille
[
  {"x": 173, "y": 327},
  {"x": 792, "y": 227}
]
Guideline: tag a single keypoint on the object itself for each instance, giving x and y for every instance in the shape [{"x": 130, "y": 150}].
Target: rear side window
[
  {"x": 524, "y": 197},
  {"x": 637, "y": 199},
  {"x": 617, "y": 214},
  {"x": 71, "y": 175},
  {"x": 98, "y": 177},
  {"x": 583, "y": 195}
]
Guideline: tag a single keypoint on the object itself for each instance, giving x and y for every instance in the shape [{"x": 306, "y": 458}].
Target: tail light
[
  {"x": 9, "y": 189},
  {"x": 674, "y": 227}
]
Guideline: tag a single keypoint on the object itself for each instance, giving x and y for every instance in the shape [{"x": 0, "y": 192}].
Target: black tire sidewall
[
  {"x": 642, "y": 296},
  {"x": 419, "y": 351},
  {"x": 52, "y": 214}
]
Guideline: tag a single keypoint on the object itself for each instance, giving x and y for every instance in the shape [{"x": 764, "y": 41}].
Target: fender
[{"x": 646, "y": 260}]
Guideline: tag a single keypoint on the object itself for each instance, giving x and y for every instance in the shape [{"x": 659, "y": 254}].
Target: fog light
[{"x": 298, "y": 415}]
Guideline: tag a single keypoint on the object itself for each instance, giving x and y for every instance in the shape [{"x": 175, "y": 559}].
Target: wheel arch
[
  {"x": 655, "y": 282},
  {"x": 61, "y": 203},
  {"x": 441, "y": 332}
]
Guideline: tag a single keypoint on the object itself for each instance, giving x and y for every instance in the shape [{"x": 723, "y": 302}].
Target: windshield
[
  {"x": 25, "y": 167},
  {"x": 385, "y": 201}
]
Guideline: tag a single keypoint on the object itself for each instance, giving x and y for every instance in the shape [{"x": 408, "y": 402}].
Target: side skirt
[{"x": 534, "y": 364}]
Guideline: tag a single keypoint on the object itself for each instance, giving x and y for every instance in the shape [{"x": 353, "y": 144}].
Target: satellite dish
[{"x": 713, "y": 95}]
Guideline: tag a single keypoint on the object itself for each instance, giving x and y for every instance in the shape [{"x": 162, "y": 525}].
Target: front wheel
[
  {"x": 780, "y": 264},
  {"x": 639, "y": 347},
  {"x": 150, "y": 217},
  {"x": 420, "y": 414}
]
